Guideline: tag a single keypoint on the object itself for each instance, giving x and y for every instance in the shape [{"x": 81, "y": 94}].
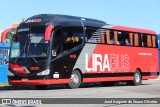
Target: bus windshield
[
  {"x": 29, "y": 44},
  {"x": 38, "y": 47}
]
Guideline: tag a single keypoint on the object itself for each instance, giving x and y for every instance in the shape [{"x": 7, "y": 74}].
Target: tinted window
[{"x": 72, "y": 37}]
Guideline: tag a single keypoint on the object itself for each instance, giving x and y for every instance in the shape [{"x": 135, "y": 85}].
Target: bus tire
[
  {"x": 111, "y": 83},
  {"x": 137, "y": 79},
  {"x": 75, "y": 80},
  {"x": 41, "y": 87}
]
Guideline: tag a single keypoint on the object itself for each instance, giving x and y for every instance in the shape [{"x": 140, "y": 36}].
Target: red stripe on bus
[
  {"x": 48, "y": 32},
  {"x": 101, "y": 79},
  {"x": 39, "y": 82}
]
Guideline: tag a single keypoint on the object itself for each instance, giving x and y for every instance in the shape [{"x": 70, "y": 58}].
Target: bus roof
[
  {"x": 61, "y": 20},
  {"x": 131, "y": 29},
  {"x": 66, "y": 20}
]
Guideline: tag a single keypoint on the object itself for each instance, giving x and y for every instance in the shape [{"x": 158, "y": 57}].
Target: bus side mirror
[{"x": 54, "y": 53}]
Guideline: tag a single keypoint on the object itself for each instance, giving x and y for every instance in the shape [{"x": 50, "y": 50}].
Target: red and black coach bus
[{"x": 58, "y": 49}]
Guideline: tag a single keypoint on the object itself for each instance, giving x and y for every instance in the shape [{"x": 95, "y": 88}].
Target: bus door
[
  {"x": 72, "y": 43},
  {"x": 67, "y": 42},
  {"x": 57, "y": 56}
]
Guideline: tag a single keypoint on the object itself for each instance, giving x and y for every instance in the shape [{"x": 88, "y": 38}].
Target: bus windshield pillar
[{"x": 48, "y": 32}]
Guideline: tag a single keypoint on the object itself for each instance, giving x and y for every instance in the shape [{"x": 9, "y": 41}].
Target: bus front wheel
[
  {"x": 75, "y": 80},
  {"x": 137, "y": 79}
]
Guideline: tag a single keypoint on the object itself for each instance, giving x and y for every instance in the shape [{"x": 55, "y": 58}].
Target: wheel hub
[
  {"x": 74, "y": 79},
  {"x": 137, "y": 77}
]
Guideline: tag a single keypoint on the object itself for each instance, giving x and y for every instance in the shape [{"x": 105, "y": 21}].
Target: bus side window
[
  {"x": 154, "y": 41},
  {"x": 108, "y": 36},
  {"x": 77, "y": 37},
  {"x": 122, "y": 38},
  {"x": 94, "y": 35},
  {"x": 72, "y": 38},
  {"x": 144, "y": 40},
  {"x": 112, "y": 37},
  {"x": 69, "y": 38},
  {"x": 136, "y": 40},
  {"x": 149, "y": 42},
  {"x": 131, "y": 38},
  {"x": 116, "y": 38},
  {"x": 127, "y": 39},
  {"x": 103, "y": 38},
  {"x": 142, "y": 44}
]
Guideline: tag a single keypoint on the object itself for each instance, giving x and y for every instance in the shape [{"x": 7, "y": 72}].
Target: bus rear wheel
[
  {"x": 75, "y": 80},
  {"x": 41, "y": 87},
  {"x": 137, "y": 79}
]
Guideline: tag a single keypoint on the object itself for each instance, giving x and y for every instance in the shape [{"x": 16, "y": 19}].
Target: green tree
[{"x": 9, "y": 37}]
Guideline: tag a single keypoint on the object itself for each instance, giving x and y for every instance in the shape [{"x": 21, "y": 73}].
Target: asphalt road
[{"x": 148, "y": 89}]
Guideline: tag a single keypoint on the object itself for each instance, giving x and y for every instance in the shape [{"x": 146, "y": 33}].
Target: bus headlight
[
  {"x": 10, "y": 73},
  {"x": 45, "y": 72}
]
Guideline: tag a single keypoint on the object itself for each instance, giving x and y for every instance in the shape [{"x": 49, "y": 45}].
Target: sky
[{"x": 134, "y": 13}]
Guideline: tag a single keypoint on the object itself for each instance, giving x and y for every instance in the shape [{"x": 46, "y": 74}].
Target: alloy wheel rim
[
  {"x": 74, "y": 79},
  {"x": 137, "y": 77}
]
